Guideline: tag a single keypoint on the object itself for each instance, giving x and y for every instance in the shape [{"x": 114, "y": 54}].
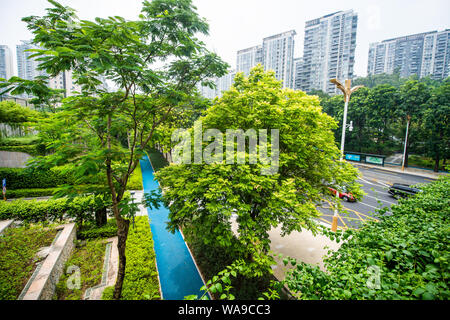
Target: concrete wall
[{"x": 12, "y": 159}]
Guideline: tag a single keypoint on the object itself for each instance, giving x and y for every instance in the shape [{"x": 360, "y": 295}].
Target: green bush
[
  {"x": 31, "y": 149},
  {"x": 409, "y": 250},
  {"x": 29, "y": 193},
  {"x": 18, "y": 248},
  {"x": 91, "y": 231},
  {"x": 79, "y": 208},
  {"x": 28, "y": 178},
  {"x": 141, "y": 277}
]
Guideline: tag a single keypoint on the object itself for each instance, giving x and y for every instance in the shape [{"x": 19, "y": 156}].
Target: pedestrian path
[{"x": 178, "y": 273}]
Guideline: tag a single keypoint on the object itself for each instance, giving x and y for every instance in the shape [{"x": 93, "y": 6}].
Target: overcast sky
[{"x": 239, "y": 24}]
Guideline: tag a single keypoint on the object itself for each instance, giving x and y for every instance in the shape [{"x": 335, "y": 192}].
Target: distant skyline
[{"x": 236, "y": 25}]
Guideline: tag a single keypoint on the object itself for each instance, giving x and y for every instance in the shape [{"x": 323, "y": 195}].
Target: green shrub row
[
  {"x": 141, "y": 276},
  {"x": 31, "y": 149},
  {"x": 29, "y": 178},
  {"x": 91, "y": 231},
  {"x": 79, "y": 208},
  {"x": 29, "y": 193}
]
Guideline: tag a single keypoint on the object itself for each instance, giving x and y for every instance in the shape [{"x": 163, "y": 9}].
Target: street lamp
[{"x": 347, "y": 90}]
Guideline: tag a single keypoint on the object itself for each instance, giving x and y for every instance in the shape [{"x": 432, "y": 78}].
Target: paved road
[{"x": 375, "y": 183}]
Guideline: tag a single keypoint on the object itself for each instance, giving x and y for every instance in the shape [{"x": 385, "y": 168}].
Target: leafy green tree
[
  {"x": 126, "y": 52},
  {"x": 437, "y": 124},
  {"x": 203, "y": 196},
  {"x": 382, "y": 112},
  {"x": 414, "y": 96}
]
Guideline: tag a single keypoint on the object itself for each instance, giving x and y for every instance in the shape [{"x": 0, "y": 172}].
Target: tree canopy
[{"x": 203, "y": 197}]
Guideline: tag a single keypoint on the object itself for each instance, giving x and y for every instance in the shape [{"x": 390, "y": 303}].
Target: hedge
[
  {"x": 31, "y": 149},
  {"x": 29, "y": 193},
  {"x": 402, "y": 256},
  {"x": 79, "y": 208},
  {"x": 26, "y": 178},
  {"x": 91, "y": 231},
  {"x": 141, "y": 276}
]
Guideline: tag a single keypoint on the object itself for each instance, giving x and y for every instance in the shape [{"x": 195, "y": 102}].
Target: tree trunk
[
  {"x": 436, "y": 163},
  {"x": 122, "y": 233},
  {"x": 101, "y": 217}
]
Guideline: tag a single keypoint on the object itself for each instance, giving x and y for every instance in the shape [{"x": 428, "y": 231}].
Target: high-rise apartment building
[
  {"x": 422, "y": 54},
  {"x": 27, "y": 69},
  {"x": 278, "y": 55},
  {"x": 6, "y": 64},
  {"x": 248, "y": 58},
  {"x": 26, "y": 66},
  {"x": 298, "y": 69},
  {"x": 223, "y": 83},
  {"x": 329, "y": 51}
]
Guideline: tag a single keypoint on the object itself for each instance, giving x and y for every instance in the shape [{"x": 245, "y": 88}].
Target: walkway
[{"x": 178, "y": 274}]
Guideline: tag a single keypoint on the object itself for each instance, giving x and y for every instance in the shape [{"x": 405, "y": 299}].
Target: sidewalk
[{"x": 397, "y": 169}]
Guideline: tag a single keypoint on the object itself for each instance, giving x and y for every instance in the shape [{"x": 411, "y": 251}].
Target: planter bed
[{"x": 18, "y": 256}]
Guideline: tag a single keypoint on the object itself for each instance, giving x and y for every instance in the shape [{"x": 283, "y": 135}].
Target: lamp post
[
  {"x": 406, "y": 142},
  {"x": 347, "y": 90}
]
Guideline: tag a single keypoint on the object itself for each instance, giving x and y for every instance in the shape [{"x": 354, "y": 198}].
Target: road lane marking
[
  {"x": 378, "y": 199},
  {"x": 365, "y": 215}
]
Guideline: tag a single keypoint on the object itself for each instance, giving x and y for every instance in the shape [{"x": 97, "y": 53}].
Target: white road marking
[
  {"x": 378, "y": 199},
  {"x": 369, "y": 205}
]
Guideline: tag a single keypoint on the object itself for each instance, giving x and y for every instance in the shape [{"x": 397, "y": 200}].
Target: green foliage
[
  {"x": 204, "y": 196},
  {"x": 89, "y": 259},
  {"x": 141, "y": 276},
  {"x": 157, "y": 160},
  {"x": 409, "y": 248},
  {"x": 79, "y": 208},
  {"x": 91, "y": 231},
  {"x": 29, "y": 178},
  {"x": 14, "y": 113},
  {"x": 135, "y": 182},
  {"x": 30, "y": 193},
  {"x": 212, "y": 259},
  {"x": 18, "y": 247}
]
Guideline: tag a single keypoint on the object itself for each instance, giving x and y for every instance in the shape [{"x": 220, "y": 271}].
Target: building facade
[
  {"x": 329, "y": 51},
  {"x": 6, "y": 62},
  {"x": 298, "y": 69},
  {"x": 248, "y": 58},
  {"x": 223, "y": 83},
  {"x": 278, "y": 55},
  {"x": 422, "y": 54}
]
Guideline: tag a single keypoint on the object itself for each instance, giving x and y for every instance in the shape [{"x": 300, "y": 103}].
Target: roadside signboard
[
  {"x": 353, "y": 157},
  {"x": 374, "y": 160}
]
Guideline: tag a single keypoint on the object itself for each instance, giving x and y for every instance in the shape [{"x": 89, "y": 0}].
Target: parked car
[
  {"x": 346, "y": 196},
  {"x": 402, "y": 190}
]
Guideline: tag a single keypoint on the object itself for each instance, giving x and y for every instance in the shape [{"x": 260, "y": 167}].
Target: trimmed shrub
[
  {"x": 29, "y": 193},
  {"x": 141, "y": 276},
  {"x": 26, "y": 178},
  {"x": 91, "y": 231},
  {"x": 79, "y": 208}
]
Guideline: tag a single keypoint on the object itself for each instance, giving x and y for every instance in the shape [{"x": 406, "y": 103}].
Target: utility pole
[
  {"x": 406, "y": 142},
  {"x": 347, "y": 90}
]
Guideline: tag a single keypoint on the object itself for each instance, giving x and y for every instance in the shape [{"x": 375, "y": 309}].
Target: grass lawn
[
  {"x": 18, "y": 248},
  {"x": 89, "y": 259},
  {"x": 424, "y": 162},
  {"x": 135, "y": 181},
  {"x": 141, "y": 277}
]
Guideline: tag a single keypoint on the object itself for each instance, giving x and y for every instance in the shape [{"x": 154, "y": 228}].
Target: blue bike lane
[{"x": 178, "y": 274}]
